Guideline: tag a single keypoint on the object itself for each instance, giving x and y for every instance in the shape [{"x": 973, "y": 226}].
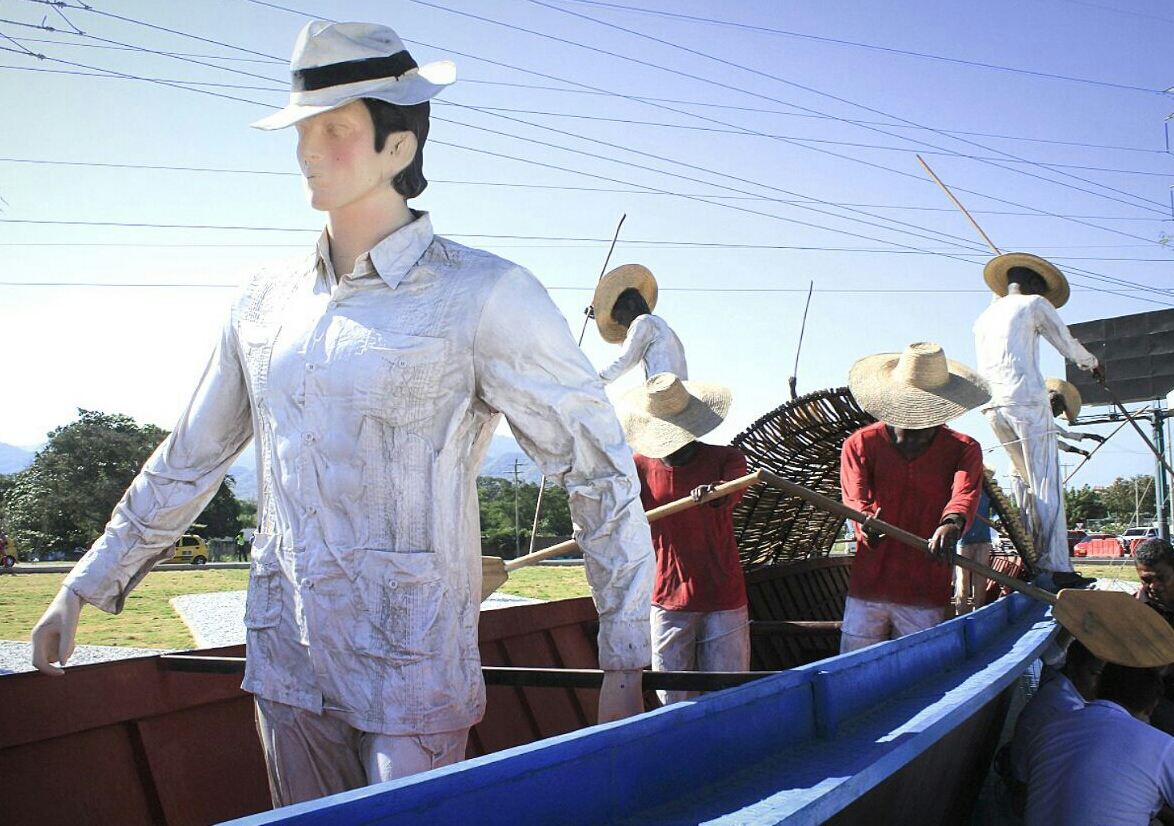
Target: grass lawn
[
  {"x": 148, "y": 620},
  {"x": 1120, "y": 569}
]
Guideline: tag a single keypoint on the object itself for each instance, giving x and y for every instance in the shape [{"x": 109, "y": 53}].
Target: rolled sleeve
[
  {"x": 635, "y": 346},
  {"x": 1052, "y": 328},
  {"x": 529, "y": 368},
  {"x": 174, "y": 486}
]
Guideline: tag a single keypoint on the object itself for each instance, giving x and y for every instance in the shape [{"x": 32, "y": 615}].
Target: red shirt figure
[{"x": 697, "y": 566}]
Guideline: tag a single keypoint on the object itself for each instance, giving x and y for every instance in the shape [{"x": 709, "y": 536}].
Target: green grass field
[{"x": 148, "y": 620}]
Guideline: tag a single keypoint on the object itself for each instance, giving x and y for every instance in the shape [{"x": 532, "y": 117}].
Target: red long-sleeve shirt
[
  {"x": 697, "y": 566},
  {"x": 911, "y": 494}
]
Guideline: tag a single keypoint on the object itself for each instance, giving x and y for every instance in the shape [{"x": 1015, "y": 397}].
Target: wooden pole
[{"x": 958, "y": 204}]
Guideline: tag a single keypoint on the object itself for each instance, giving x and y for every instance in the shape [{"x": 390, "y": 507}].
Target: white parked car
[{"x": 1138, "y": 533}]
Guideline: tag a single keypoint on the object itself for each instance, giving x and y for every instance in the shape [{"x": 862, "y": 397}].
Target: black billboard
[{"x": 1138, "y": 354}]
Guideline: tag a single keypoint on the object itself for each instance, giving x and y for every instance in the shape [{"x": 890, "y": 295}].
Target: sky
[{"x": 754, "y": 149}]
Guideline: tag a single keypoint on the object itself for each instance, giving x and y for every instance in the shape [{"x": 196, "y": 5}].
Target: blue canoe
[{"x": 895, "y": 733}]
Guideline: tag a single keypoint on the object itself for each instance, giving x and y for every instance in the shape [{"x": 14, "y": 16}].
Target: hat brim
[
  {"x": 1070, "y": 394},
  {"x": 417, "y": 86},
  {"x": 659, "y": 436},
  {"x": 903, "y": 405},
  {"x": 609, "y": 289},
  {"x": 995, "y": 275}
]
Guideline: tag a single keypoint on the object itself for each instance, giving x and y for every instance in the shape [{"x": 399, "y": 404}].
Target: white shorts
[
  {"x": 699, "y": 641},
  {"x": 867, "y": 622},
  {"x": 312, "y": 755}
]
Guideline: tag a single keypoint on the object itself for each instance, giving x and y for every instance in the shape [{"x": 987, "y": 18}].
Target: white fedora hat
[
  {"x": 664, "y": 414},
  {"x": 336, "y": 63},
  {"x": 916, "y": 389}
]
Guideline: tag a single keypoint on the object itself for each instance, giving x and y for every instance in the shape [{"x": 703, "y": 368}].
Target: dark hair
[
  {"x": 1025, "y": 276},
  {"x": 1136, "y": 689},
  {"x": 630, "y": 301},
  {"x": 1077, "y": 654},
  {"x": 389, "y": 118},
  {"x": 1153, "y": 552}
]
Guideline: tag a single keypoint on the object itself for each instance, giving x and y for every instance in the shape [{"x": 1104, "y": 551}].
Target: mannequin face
[{"x": 336, "y": 153}]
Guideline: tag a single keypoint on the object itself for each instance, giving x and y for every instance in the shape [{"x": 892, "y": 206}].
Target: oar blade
[
  {"x": 1116, "y": 627},
  {"x": 493, "y": 575}
]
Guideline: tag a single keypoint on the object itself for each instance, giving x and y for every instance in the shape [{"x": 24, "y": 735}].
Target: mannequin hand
[
  {"x": 698, "y": 493},
  {"x": 1096, "y": 437},
  {"x": 621, "y": 695},
  {"x": 53, "y": 635},
  {"x": 943, "y": 540},
  {"x": 1081, "y": 451},
  {"x": 590, "y": 311},
  {"x": 1098, "y": 371}
]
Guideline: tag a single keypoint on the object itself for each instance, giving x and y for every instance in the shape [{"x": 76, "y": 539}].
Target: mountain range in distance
[{"x": 499, "y": 461}]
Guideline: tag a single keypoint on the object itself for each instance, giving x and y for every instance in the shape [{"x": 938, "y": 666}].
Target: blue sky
[{"x": 754, "y": 147}]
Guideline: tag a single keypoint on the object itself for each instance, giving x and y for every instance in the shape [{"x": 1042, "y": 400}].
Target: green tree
[
  {"x": 496, "y": 497},
  {"x": 1130, "y": 501},
  {"x": 64, "y": 498},
  {"x": 1083, "y": 505}
]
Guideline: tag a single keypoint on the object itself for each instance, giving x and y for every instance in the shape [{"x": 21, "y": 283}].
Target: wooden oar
[
  {"x": 1111, "y": 624},
  {"x": 495, "y": 571}
]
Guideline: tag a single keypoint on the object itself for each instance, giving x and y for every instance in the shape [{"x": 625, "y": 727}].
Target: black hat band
[{"x": 352, "y": 71}]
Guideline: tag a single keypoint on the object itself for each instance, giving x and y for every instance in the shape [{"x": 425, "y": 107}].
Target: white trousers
[
  {"x": 312, "y": 755},
  {"x": 867, "y": 622},
  {"x": 699, "y": 641},
  {"x": 1028, "y": 434}
]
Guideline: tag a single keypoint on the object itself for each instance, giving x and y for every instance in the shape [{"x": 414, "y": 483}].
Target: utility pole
[{"x": 517, "y": 536}]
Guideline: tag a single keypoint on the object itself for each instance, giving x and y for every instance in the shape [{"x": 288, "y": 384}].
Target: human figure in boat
[
  {"x": 1154, "y": 561},
  {"x": 1103, "y": 763},
  {"x": 910, "y": 470},
  {"x": 1028, "y": 291},
  {"x": 1064, "y": 399},
  {"x": 975, "y": 545},
  {"x": 372, "y": 372},
  {"x": 1062, "y": 690},
  {"x": 700, "y": 620},
  {"x": 622, "y": 307}
]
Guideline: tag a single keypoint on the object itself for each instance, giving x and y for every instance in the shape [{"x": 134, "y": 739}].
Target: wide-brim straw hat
[
  {"x": 665, "y": 413},
  {"x": 995, "y": 275},
  {"x": 918, "y": 388},
  {"x": 608, "y": 290},
  {"x": 1070, "y": 394},
  {"x": 334, "y": 64}
]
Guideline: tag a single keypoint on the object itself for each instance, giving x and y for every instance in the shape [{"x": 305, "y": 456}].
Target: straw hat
[
  {"x": 1072, "y": 400},
  {"x": 665, "y": 414},
  {"x": 916, "y": 389},
  {"x": 608, "y": 290},
  {"x": 336, "y": 63},
  {"x": 995, "y": 274}
]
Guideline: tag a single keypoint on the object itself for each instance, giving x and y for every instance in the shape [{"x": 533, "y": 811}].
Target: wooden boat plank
[{"x": 755, "y": 756}]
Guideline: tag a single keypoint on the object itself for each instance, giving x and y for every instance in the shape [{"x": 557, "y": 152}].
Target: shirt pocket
[
  {"x": 401, "y": 615},
  {"x": 256, "y": 343},
  {"x": 400, "y": 376},
  {"x": 263, "y": 600}
]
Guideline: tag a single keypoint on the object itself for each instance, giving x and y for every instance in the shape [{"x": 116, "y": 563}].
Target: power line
[
  {"x": 872, "y": 46},
  {"x": 801, "y": 139},
  {"x": 570, "y": 188},
  {"x": 767, "y": 75}
]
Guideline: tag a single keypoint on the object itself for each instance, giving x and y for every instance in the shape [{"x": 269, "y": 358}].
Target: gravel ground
[{"x": 213, "y": 619}]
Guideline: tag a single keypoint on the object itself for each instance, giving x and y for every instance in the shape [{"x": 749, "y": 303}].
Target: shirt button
[
  {"x": 309, "y": 368},
  {"x": 311, "y": 510},
  {"x": 309, "y": 437},
  {"x": 308, "y": 584},
  {"x": 402, "y": 363}
]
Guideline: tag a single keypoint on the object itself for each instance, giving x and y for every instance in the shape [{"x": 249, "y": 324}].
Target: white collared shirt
[
  {"x": 1006, "y": 343},
  {"x": 372, "y": 399},
  {"x": 652, "y": 341},
  {"x": 1098, "y": 766}
]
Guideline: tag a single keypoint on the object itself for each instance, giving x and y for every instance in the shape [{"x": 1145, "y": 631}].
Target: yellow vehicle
[{"x": 190, "y": 548}]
